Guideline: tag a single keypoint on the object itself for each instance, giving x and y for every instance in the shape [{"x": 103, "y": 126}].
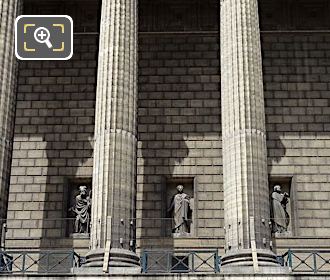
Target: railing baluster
[
  {"x": 290, "y": 258},
  {"x": 23, "y": 262},
  {"x": 72, "y": 261},
  {"x": 216, "y": 262},
  {"x": 144, "y": 262},
  {"x": 47, "y": 262},
  {"x": 314, "y": 262}
]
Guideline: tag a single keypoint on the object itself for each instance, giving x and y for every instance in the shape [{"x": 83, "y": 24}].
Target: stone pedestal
[
  {"x": 10, "y": 9},
  {"x": 246, "y": 194},
  {"x": 114, "y": 171}
]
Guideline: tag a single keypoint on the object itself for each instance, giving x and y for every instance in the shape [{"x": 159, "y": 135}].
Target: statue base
[
  {"x": 181, "y": 234},
  {"x": 80, "y": 235},
  {"x": 283, "y": 234}
]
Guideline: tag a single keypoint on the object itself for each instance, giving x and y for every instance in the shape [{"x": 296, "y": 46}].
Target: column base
[
  {"x": 241, "y": 261},
  {"x": 120, "y": 261}
]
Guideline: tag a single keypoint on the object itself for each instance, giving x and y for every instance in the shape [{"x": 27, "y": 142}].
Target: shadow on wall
[
  {"x": 296, "y": 96},
  {"x": 296, "y": 75},
  {"x": 63, "y": 166},
  {"x": 56, "y": 104},
  {"x": 55, "y": 123},
  {"x": 179, "y": 131},
  {"x": 158, "y": 169}
]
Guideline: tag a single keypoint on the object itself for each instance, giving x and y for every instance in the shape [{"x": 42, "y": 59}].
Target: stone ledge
[{"x": 80, "y": 245}]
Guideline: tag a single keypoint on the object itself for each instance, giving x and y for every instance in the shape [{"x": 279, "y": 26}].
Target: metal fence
[
  {"x": 307, "y": 261},
  {"x": 38, "y": 262},
  {"x": 180, "y": 261},
  {"x": 156, "y": 261}
]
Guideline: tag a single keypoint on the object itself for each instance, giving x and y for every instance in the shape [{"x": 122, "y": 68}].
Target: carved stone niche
[
  {"x": 73, "y": 190},
  {"x": 287, "y": 186},
  {"x": 169, "y": 193}
]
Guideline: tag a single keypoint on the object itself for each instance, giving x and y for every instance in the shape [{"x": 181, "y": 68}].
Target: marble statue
[
  {"x": 82, "y": 210},
  {"x": 180, "y": 207},
  {"x": 280, "y": 215}
]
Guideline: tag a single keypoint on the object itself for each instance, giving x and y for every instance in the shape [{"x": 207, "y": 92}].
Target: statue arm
[
  {"x": 73, "y": 207},
  {"x": 171, "y": 205},
  {"x": 285, "y": 200}
]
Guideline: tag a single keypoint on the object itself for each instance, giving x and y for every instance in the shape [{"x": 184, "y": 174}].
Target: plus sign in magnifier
[{"x": 42, "y": 35}]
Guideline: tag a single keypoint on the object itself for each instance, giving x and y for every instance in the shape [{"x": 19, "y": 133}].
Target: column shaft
[
  {"x": 245, "y": 178},
  {"x": 9, "y": 9},
  {"x": 114, "y": 171}
]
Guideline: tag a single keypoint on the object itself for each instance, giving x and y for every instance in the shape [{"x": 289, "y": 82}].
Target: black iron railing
[
  {"x": 307, "y": 261},
  {"x": 180, "y": 261},
  {"x": 156, "y": 261},
  {"x": 38, "y": 262}
]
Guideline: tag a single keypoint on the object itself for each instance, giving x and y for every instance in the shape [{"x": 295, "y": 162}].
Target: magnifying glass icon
[{"x": 42, "y": 35}]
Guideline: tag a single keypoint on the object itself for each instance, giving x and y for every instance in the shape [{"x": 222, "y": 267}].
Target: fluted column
[
  {"x": 9, "y": 10},
  {"x": 114, "y": 171},
  {"x": 246, "y": 194}
]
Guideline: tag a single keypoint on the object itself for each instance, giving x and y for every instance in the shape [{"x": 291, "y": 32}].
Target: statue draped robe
[
  {"x": 280, "y": 216},
  {"x": 180, "y": 205},
  {"x": 82, "y": 210}
]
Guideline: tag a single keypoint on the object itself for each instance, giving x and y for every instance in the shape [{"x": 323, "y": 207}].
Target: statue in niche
[
  {"x": 82, "y": 210},
  {"x": 281, "y": 218},
  {"x": 181, "y": 211}
]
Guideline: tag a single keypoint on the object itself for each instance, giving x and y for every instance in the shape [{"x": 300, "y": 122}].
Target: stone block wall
[
  {"x": 179, "y": 126},
  {"x": 296, "y": 78},
  {"x": 54, "y": 128},
  {"x": 179, "y": 129},
  {"x": 297, "y": 91},
  {"x": 53, "y": 139}
]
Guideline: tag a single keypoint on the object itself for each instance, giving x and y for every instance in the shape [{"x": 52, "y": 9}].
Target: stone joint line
[
  {"x": 116, "y": 131},
  {"x": 240, "y": 132}
]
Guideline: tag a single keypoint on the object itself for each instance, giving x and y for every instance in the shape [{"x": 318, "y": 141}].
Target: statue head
[
  {"x": 277, "y": 188},
  {"x": 83, "y": 190},
  {"x": 179, "y": 188}
]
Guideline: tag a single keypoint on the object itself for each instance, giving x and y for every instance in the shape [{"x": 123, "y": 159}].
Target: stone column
[
  {"x": 114, "y": 171},
  {"x": 246, "y": 194},
  {"x": 9, "y": 10}
]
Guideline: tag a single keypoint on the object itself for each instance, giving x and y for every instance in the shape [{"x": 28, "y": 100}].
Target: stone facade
[
  {"x": 53, "y": 139},
  {"x": 178, "y": 124},
  {"x": 53, "y": 143},
  {"x": 296, "y": 79},
  {"x": 179, "y": 128}
]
